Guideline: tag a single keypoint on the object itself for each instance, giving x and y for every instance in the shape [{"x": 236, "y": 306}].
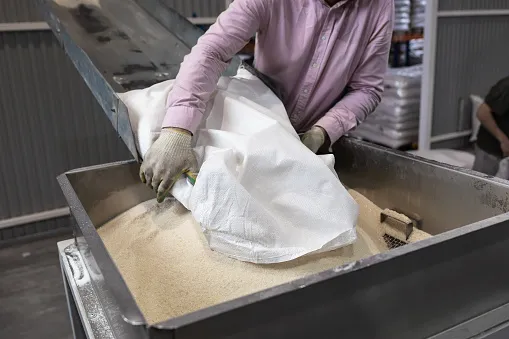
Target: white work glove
[
  {"x": 314, "y": 138},
  {"x": 167, "y": 160}
]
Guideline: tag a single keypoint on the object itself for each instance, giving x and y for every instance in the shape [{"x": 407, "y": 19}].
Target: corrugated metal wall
[
  {"x": 18, "y": 11},
  {"x": 50, "y": 122},
  {"x": 456, "y": 5},
  {"x": 201, "y": 8},
  {"x": 472, "y": 53},
  {"x": 53, "y": 225}
]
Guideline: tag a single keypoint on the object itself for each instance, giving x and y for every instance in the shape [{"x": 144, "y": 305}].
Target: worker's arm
[
  {"x": 496, "y": 102},
  {"x": 486, "y": 118},
  {"x": 366, "y": 86},
  {"x": 201, "y": 69},
  {"x": 171, "y": 154}
]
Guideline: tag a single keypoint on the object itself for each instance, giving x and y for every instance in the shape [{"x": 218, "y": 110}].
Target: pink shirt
[{"x": 328, "y": 61}]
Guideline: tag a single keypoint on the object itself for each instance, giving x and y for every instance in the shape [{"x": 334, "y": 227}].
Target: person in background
[
  {"x": 327, "y": 58},
  {"x": 493, "y": 138}
]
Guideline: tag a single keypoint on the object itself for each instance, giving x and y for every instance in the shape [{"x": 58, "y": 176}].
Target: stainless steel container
[{"x": 415, "y": 291}]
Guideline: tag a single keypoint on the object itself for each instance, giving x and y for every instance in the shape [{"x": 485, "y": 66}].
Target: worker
[
  {"x": 327, "y": 57},
  {"x": 492, "y": 143}
]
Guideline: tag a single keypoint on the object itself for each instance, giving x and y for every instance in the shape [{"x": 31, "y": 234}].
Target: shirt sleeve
[
  {"x": 201, "y": 69},
  {"x": 365, "y": 89},
  {"x": 498, "y": 97}
]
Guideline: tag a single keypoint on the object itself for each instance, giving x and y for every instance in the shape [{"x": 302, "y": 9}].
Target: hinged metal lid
[{"x": 121, "y": 45}]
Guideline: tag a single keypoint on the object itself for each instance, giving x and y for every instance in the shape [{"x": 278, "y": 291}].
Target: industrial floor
[{"x": 32, "y": 296}]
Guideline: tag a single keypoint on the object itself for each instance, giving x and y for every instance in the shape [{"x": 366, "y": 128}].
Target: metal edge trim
[
  {"x": 98, "y": 167},
  {"x": 62, "y": 245},
  {"x": 479, "y": 325},
  {"x": 77, "y": 210},
  {"x": 422, "y": 160},
  {"x": 108, "y": 100}
]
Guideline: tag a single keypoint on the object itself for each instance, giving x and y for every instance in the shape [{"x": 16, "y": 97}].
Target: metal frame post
[{"x": 428, "y": 76}]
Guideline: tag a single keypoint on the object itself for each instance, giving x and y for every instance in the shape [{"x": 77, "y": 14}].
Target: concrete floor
[{"x": 32, "y": 295}]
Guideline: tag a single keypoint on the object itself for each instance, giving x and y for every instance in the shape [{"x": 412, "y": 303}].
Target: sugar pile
[{"x": 170, "y": 270}]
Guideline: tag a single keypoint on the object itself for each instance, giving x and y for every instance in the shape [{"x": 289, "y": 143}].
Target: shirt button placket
[{"x": 311, "y": 75}]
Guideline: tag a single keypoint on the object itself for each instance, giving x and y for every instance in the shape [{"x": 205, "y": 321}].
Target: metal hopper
[{"x": 453, "y": 285}]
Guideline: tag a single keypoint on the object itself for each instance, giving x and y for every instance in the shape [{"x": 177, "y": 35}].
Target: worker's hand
[
  {"x": 504, "y": 146},
  {"x": 168, "y": 158},
  {"x": 314, "y": 138}
]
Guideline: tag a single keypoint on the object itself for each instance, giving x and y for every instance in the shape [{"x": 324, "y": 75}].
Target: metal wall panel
[
  {"x": 451, "y": 5},
  {"x": 18, "y": 11},
  {"x": 201, "y": 8},
  {"x": 23, "y": 231},
  {"x": 50, "y": 123},
  {"x": 472, "y": 54},
  {"x": 26, "y": 10}
]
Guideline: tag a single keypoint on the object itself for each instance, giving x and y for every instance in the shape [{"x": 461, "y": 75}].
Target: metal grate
[{"x": 391, "y": 242}]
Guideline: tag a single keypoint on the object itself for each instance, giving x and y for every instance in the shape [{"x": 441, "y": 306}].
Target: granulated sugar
[{"x": 169, "y": 268}]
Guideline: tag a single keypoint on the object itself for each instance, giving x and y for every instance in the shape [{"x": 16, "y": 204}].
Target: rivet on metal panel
[
  {"x": 120, "y": 80},
  {"x": 56, "y": 21},
  {"x": 162, "y": 75}
]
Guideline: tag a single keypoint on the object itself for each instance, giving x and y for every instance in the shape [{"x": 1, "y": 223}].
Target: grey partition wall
[
  {"x": 49, "y": 123},
  {"x": 200, "y": 8},
  {"x": 466, "y": 52}
]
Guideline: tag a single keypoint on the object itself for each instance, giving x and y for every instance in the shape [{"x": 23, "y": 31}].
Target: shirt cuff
[
  {"x": 187, "y": 118},
  {"x": 333, "y": 127}
]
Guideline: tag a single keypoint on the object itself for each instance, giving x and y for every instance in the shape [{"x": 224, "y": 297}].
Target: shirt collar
[{"x": 339, "y": 4}]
